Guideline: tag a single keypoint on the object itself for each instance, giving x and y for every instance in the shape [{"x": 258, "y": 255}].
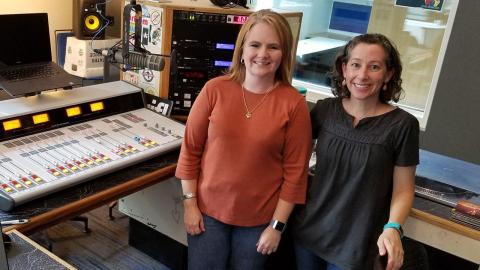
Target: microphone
[{"x": 135, "y": 59}]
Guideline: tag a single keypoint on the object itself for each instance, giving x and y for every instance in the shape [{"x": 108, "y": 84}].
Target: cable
[
  {"x": 140, "y": 58},
  {"x": 107, "y": 21}
]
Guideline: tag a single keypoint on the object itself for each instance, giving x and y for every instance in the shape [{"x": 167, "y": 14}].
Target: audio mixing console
[{"x": 56, "y": 140}]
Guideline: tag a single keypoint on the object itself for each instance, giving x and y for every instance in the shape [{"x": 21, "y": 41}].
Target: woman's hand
[
  {"x": 389, "y": 244},
  {"x": 192, "y": 217},
  {"x": 269, "y": 240}
]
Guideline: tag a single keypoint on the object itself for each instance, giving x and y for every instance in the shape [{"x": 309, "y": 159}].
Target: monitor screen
[
  {"x": 349, "y": 17},
  {"x": 25, "y": 39}
]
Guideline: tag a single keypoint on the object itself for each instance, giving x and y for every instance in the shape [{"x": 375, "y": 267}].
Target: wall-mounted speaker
[{"x": 88, "y": 19}]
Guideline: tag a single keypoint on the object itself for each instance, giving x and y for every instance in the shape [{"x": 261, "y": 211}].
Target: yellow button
[
  {"x": 106, "y": 158},
  {"x": 8, "y": 189},
  {"x": 38, "y": 179},
  {"x": 133, "y": 149},
  {"x": 28, "y": 182},
  {"x": 146, "y": 144},
  {"x": 90, "y": 162},
  {"x": 81, "y": 165},
  {"x": 74, "y": 168},
  {"x": 153, "y": 142},
  {"x": 56, "y": 173},
  {"x": 18, "y": 186},
  {"x": 127, "y": 151},
  {"x": 65, "y": 171},
  {"x": 98, "y": 160}
]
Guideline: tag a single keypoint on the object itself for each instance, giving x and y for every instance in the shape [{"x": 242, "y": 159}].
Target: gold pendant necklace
[{"x": 249, "y": 113}]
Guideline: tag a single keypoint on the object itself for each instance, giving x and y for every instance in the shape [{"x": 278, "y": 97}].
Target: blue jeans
[
  {"x": 307, "y": 260},
  {"x": 224, "y": 246}
]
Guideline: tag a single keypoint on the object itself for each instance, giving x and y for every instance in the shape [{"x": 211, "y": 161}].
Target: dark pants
[
  {"x": 307, "y": 260},
  {"x": 224, "y": 246}
]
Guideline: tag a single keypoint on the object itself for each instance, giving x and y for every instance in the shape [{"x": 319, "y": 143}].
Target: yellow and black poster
[{"x": 426, "y": 4}]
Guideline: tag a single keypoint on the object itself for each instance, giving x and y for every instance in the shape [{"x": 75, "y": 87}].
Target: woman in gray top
[{"x": 367, "y": 152}]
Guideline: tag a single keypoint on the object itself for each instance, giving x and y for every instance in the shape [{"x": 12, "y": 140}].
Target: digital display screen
[
  {"x": 237, "y": 19},
  {"x": 223, "y": 63},
  {"x": 96, "y": 106},
  {"x": 40, "y": 118},
  {"x": 73, "y": 111},
  {"x": 348, "y": 17},
  {"x": 12, "y": 124},
  {"x": 225, "y": 46},
  {"x": 194, "y": 74}
]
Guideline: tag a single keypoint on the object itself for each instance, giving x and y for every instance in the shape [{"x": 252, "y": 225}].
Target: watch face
[{"x": 278, "y": 225}]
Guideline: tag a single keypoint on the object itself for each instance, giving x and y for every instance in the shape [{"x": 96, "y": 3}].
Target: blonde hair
[{"x": 284, "y": 33}]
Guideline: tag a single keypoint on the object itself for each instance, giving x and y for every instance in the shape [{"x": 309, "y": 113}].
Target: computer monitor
[{"x": 350, "y": 18}]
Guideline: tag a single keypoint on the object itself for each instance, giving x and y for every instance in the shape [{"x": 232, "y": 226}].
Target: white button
[{"x": 165, "y": 109}]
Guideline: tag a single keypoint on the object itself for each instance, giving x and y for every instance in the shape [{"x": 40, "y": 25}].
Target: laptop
[{"x": 26, "y": 65}]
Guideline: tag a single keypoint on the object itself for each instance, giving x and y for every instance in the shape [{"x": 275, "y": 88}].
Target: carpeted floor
[{"x": 105, "y": 247}]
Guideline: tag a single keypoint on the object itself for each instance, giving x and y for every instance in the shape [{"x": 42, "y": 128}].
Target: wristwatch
[
  {"x": 278, "y": 225},
  {"x": 188, "y": 195}
]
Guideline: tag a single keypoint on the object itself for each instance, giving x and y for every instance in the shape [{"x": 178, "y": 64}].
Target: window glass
[{"x": 327, "y": 25}]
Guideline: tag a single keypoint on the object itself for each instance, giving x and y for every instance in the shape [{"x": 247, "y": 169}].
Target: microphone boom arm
[
  {"x": 126, "y": 28},
  {"x": 138, "y": 58}
]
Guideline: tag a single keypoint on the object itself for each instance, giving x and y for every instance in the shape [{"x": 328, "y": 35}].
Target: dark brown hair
[{"x": 394, "y": 86}]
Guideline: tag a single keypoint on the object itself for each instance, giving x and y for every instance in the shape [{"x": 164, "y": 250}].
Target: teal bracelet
[{"x": 396, "y": 226}]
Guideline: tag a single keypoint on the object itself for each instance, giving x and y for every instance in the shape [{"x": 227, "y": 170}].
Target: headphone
[{"x": 226, "y": 3}]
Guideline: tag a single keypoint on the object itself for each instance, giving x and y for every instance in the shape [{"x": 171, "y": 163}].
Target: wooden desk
[
  {"x": 429, "y": 224},
  {"x": 74, "y": 201}
]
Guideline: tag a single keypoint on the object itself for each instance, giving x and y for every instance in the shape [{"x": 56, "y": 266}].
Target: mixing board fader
[{"x": 37, "y": 164}]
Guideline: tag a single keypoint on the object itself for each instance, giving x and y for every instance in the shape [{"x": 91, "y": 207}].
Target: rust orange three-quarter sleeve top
[{"x": 243, "y": 166}]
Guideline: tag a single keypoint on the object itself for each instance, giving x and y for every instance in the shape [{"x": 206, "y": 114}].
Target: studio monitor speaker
[
  {"x": 88, "y": 19},
  {"x": 226, "y": 3}
]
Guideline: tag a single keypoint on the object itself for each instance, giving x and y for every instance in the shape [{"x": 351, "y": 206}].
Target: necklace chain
[{"x": 249, "y": 113}]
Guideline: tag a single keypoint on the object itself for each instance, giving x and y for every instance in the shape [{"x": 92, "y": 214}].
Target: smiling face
[
  {"x": 262, "y": 52},
  {"x": 365, "y": 72}
]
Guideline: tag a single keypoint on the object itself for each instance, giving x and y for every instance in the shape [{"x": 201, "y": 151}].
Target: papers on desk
[{"x": 317, "y": 44}]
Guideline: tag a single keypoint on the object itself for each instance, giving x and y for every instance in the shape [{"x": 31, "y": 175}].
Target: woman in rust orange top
[{"x": 244, "y": 157}]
